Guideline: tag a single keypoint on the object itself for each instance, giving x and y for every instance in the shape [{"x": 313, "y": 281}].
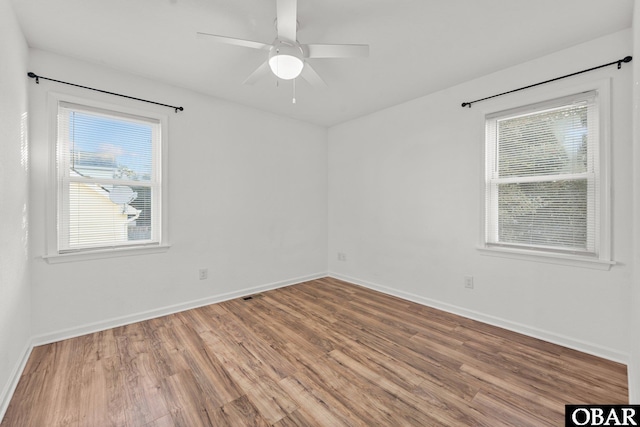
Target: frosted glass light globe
[{"x": 285, "y": 60}]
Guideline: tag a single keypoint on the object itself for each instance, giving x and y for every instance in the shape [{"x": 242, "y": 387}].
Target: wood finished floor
[{"x": 321, "y": 353}]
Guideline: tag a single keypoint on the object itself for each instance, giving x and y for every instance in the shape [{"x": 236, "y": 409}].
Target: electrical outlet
[
  {"x": 468, "y": 282},
  {"x": 204, "y": 273},
  {"x": 342, "y": 256}
]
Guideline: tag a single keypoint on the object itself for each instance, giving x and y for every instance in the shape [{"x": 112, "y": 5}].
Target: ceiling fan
[{"x": 287, "y": 58}]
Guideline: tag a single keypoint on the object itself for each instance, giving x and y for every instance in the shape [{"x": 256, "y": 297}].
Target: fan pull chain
[{"x": 293, "y": 101}]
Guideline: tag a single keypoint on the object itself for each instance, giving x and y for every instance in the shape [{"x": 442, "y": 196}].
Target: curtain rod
[
  {"x": 37, "y": 77},
  {"x": 619, "y": 62}
]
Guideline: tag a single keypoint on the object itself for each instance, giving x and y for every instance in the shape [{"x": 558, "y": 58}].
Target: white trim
[
  {"x": 549, "y": 93},
  {"x": 53, "y": 183},
  {"x": 89, "y": 328},
  {"x": 634, "y": 294},
  {"x": 552, "y": 337},
  {"x": 105, "y": 253},
  {"x": 14, "y": 378},
  {"x": 546, "y": 257},
  {"x": 632, "y": 375},
  {"x": 543, "y": 178}
]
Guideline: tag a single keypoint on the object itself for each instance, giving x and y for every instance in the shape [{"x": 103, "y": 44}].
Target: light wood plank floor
[{"x": 321, "y": 353}]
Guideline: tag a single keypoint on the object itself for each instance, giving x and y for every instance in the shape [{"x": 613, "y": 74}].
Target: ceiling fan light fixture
[
  {"x": 287, "y": 57},
  {"x": 285, "y": 60}
]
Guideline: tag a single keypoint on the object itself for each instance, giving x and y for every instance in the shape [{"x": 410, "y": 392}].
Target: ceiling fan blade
[
  {"x": 287, "y": 19},
  {"x": 234, "y": 41},
  {"x": 336, "y": 50},
  {"x": 259, "y": 73},
  {"x": 311, "y": 76}
]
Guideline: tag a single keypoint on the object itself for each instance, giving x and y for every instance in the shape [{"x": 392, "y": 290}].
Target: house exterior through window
[{"x": 109, "y": 179}]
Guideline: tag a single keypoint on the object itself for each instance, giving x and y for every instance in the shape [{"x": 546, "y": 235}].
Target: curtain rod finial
[{"x": 34, "y": 76}]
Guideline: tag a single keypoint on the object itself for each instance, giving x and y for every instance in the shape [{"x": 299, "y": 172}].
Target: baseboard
[
  {"x": 163, "y": 311},
  {"x": 552, "y": 337},
  {"x": 10, "y": 386},
  {"x": 634, "y": 382}
]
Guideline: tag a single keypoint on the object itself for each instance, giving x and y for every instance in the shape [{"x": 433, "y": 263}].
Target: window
[
  {"x": 109, "y": 179},
  {"x": 543, "y": 179}
]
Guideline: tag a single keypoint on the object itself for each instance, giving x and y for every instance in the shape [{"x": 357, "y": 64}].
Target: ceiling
[{"x": 417, "y": 47}]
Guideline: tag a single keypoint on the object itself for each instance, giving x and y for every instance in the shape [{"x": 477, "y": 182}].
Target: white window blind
[
  {"x": 109, "y": 177},
  {"x": 542, "y": 176}
]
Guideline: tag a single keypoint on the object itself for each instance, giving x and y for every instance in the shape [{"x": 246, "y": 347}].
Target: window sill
[
  {"x": 105, "y": 253},
  {"x": 549, "y": 258}
]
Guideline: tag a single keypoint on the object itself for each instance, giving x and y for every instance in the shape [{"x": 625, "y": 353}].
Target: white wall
[
  {"x": 15, "y": 310},
  {"x": 405, "y": 207},
  {"x": 634, "y": 362},
  {"x": 247, "y": 201}
]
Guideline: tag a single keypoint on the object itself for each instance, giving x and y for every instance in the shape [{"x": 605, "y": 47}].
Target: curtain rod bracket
[
  {"x": 625, "y": 59},
  {"x": 34, "y": 76}
]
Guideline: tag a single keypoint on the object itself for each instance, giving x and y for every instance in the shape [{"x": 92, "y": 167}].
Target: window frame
[
  {"x": 525, "y": 102},
  {"x": 54, "y": 197}
]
